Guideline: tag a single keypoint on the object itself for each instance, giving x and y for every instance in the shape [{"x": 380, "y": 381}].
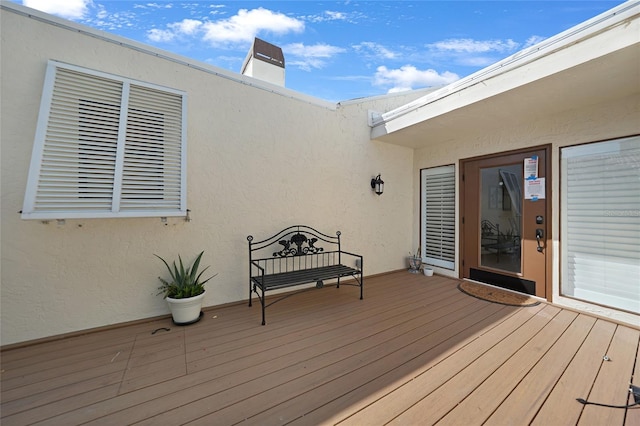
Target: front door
[{"x": 505, "y": 220}]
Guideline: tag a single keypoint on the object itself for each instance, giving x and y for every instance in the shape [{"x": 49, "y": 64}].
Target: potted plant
[
  {"x": 415, "y": 260},
  {"x": 184, "y": 291}
]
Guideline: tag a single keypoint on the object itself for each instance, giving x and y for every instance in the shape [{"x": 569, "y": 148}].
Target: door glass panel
[{"x": 501, "y": 217}]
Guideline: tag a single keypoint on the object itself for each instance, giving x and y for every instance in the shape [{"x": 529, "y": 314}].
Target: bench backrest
[{"x": 294, "y": 248}]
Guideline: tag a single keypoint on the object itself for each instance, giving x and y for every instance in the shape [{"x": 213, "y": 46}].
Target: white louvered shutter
[
  {"x": 152, "y": 168},
  {"x": 600, "y": 223},
  {"x": 438, "y": 216},
  {"x": 106, "y": 147}
]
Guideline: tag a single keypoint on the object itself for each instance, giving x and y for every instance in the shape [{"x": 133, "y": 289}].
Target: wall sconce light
[{"x": 377, "y": 185}]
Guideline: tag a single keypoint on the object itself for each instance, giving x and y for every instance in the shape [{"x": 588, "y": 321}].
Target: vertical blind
[
  {"x": 106, "y": 146},
  {"x": 438, "y": 216},
  {"x": 600, "y": 223}
]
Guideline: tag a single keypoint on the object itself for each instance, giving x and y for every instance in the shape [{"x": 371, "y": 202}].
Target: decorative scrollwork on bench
[{"x": 300, "y": 248}]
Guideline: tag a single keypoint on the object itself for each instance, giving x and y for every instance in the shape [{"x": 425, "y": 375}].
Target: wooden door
[{"x": 505, "y": 220}]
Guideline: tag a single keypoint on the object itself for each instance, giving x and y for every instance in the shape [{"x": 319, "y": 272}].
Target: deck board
[
  {"x": 487, "y": 397},
  {"x": 416, "y": 350},
  {"x": 539, "y": 381},
  {"x": 633, "y": 414},
  {"x": 611, "y": 386}
]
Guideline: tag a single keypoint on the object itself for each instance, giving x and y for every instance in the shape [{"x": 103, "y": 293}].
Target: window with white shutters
[
  {"x": 600, "y": 223},
  {"x": 438, "y": 216},
  {"x": 106, "y": 146}
]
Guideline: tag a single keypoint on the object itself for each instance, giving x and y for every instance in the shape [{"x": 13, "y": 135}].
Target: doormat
[{"x": 495, "y": 295}]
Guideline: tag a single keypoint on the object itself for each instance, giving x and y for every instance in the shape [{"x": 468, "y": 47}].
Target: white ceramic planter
[
  {"x": 427, "y": 271},
  {"x": 185, "y": 311}
]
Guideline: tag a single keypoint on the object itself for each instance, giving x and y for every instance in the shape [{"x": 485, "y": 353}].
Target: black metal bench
[{"x": 299, "y": 259}]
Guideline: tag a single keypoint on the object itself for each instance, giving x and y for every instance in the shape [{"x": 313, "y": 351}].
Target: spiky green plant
[{"x": 184, "y": 282}]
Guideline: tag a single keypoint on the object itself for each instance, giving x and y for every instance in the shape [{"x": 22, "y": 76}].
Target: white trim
[
  {"x": 183, "y": 163},
  {"x": 441, "y": 263},
  {"x": 38, "y": 145},
  {"x": 122, "y": 132}
]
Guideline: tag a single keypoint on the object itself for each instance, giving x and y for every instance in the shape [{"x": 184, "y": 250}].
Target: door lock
[{"x": 539, "y": 236}]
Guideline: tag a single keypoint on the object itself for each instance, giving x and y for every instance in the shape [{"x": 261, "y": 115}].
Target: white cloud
[
  {"x": 308, "y": 57},
  {"x": 533, "y": 40},
  {"x": 186, "y": 27},
  {"x": 319, "y": 50},
  {"x": 465, "y": 45},
  {"x": 242, "y": 27},
  {"x": 409, "y": 77},
  {"x": 375, "y": 50},
  {"x": 110, "y": 21},
  {"x": 69, "y": 9},
  {"x": 153, "y": 6},
  {"x": 340, "y": 16},
  {"x": 328, "y": 15},
  {"x": 471, "y": 53},
  {"x": 246, "y": 24},
  {"x": 160, "y": 36}
]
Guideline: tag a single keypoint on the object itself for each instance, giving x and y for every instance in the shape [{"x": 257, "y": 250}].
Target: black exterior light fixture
[{"x": 377, "y": 184}]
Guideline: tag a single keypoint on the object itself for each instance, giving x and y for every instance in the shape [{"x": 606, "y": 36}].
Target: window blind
[
  {"x": 600, "y": 223},
  {"x": 438, "y": 216},
  {"x": 106, "y": 146}
]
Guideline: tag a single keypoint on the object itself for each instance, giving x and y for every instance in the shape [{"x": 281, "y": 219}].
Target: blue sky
[{"x": 339, "y": 50}]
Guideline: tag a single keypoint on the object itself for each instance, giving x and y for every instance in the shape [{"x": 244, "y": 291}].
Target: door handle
[{"x": 539, "y": 235}]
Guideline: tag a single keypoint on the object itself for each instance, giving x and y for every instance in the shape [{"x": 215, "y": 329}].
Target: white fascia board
[
  {"x": 6, "y": 6},
  {"x": 621, "y": 23}
]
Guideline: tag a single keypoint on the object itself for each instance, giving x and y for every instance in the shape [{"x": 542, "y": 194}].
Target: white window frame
[
  {"x": 600, "y": 223},
  {"x": 440, "y": 249},
  {"x": 133, "y": 186}
]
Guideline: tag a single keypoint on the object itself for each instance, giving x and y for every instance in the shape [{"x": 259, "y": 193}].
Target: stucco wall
[{"x": 257, "y": 161}]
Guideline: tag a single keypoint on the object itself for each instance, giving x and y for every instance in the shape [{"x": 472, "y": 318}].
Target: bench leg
[
  {"x": 263, "y": 302},
  {"x": 249, "y": 293}
]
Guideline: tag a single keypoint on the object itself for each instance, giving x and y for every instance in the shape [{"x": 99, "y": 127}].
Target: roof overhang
[{"x": 594, "y": 62}]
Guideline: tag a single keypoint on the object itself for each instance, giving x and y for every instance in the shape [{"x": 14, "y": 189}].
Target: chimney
[{"x": 264, "y": 61}]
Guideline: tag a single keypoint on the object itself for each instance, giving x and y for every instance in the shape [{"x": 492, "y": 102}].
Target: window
[
  {"x": 600, "y": 223},
  {"x": 438, "y": 216},
  {"x": 106, "y": 146}
]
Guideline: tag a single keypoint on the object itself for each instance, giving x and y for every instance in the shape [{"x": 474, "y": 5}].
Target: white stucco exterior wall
[{"x": 258, "y": 160}]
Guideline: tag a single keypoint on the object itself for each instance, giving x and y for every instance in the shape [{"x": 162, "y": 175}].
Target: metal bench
[{"x": 299, "y": 258}]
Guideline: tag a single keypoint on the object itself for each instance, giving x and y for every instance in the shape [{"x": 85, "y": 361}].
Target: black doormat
[{"x": 505, "y": 281}]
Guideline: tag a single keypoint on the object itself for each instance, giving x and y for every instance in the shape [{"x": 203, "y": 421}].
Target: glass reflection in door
[{"x": 501, "y": 217}]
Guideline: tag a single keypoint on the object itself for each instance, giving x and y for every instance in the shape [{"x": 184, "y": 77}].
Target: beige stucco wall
[
  {"x": 581, "y": 124},
  {"x": 258, "y": 161}
]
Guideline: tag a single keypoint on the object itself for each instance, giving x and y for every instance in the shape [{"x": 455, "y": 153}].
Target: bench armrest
[
  {"x": 354, "y": 255},
  {"x": 254, "y": 263}
]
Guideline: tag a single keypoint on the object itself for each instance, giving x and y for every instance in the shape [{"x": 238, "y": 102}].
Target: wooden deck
[{"x": 415, "y": 351}]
